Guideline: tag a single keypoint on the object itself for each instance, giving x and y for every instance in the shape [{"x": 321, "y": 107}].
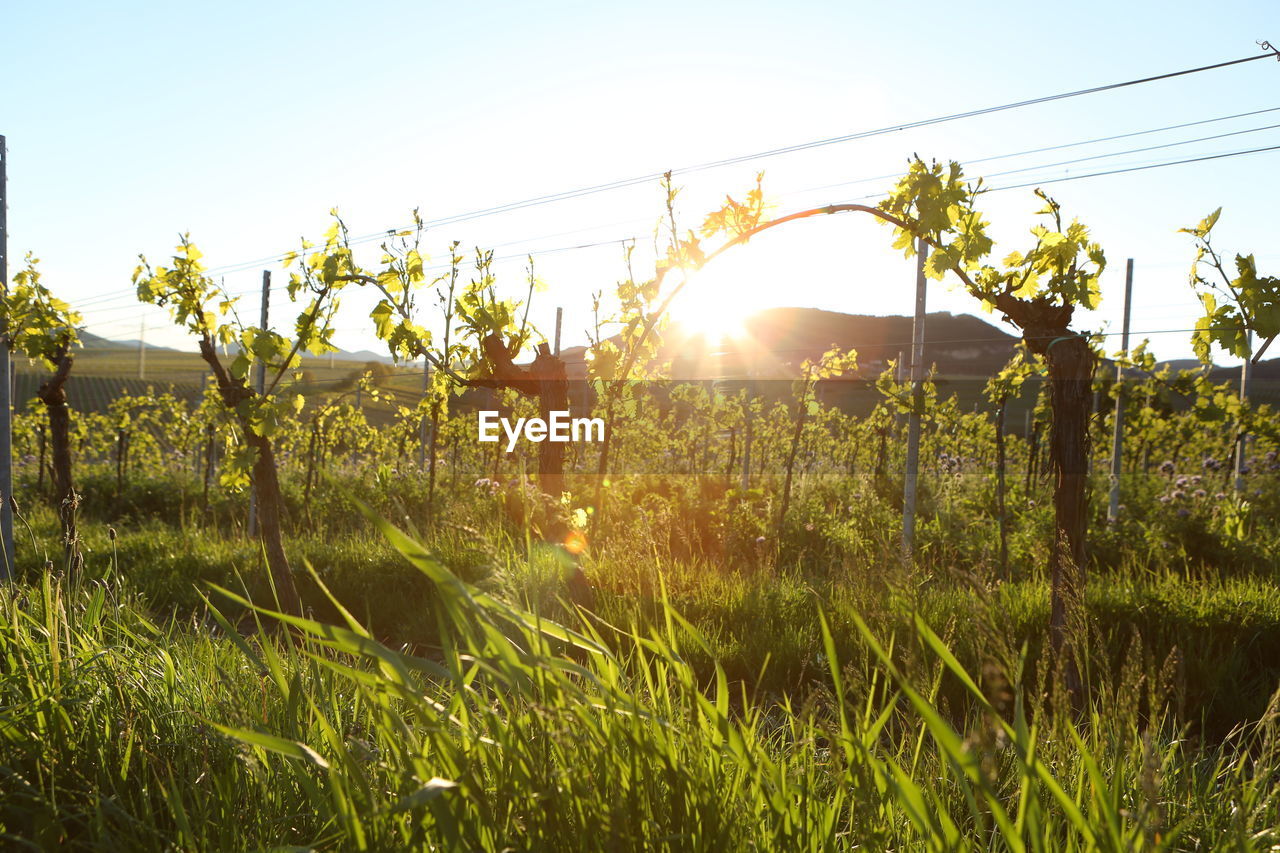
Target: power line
[
  {"x": 995, "y": 189},
  {"x": 280, "y": 288},
  {"x": 1132, "y": 151},
  {"x": 1127, "y": 135},
  {"x": 969, "y": 114},
  {"x": 1039, "y": 183},
  {"x": 803, "y": 146},
  {"x": 823, "y": 142},
  {"x": 432, "y": 268},
  {"x": 623, "y": 240},
  {"x": 1077, "y": 144},
  {"x": 1141, "y": 168},
  {"x": 106, "y": 299}
]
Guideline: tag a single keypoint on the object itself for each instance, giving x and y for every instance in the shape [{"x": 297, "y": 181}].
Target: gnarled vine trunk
[
  {"x": 432, "y": 441},
  {"x": 553, "y": 396},
  {"x": 1071, "y": 361},
  {"x": 1071, "y": 364},
  {"x": 1002, "y": 514},
  {"x": 265, "y": 478},
  {"x": 797, "y": 433},
  {"x": 267, "y": 482},
  {"x": 544, "y": 379},
  {"x": 53, "y": 393}
]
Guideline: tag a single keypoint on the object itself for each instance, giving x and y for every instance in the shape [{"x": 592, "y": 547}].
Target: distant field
[{"x": 102, "y": 374}]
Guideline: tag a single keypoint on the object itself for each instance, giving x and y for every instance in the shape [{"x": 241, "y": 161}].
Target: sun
[
  {"x": 713, "y": 318},
  {"x": 716, "y": 302}
]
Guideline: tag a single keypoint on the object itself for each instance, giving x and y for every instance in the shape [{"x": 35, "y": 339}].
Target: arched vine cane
[
  {"x": 1043, "y": 324},
  {"x": 738, "y": 240}
]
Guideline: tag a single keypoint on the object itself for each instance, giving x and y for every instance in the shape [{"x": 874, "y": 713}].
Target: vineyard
[
  {"x": 695, "y": 574},
  {"x": 704, "y": 634}
]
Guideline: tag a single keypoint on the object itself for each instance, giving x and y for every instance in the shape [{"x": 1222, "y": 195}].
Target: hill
[
  {"x": 778, "y": 340},
  {"x": 90, "y": 341},
  {"x": 964, "y": 348}
]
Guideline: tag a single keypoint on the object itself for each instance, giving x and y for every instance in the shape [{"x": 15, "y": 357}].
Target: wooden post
[
  {"x": 1001, "y": 510},
  {"x": 899, "y": 370},
  {"x": 911, "y": 478},
  {"x": 260, "y": 385},
  {"x": 559, "y": 319},
  {"x": 40, "y": 465},
  {"x": 119, "y": 460},
  {"x": 6, "y": 391},
  {"x": 1246, "y": 373},
  {"x": 422, "y": 425},
  {"x": 733, "y": 456},
  {"x": 553, "y": 396},
  {"x": 1117, "y": 439},
  {"x": 311, "y": 464},
  {"x": 208, "y": 467}
]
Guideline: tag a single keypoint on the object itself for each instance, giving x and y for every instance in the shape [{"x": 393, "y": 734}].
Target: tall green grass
[
  {"x": 517, "y": 732},
  {"x": 105, "y": 734}
]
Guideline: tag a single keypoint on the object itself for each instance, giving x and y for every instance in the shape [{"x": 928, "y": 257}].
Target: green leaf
[
  {"x": 290, "y": 748},
  {"x": 428, "y": 792}
]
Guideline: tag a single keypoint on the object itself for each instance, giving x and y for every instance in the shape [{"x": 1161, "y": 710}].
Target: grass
[
  {"x": 800, "y": 692},
  {"x": 742, "y": 680},
  {"x": 124, "y": 732},
  {"x": 758, "y": 623}
]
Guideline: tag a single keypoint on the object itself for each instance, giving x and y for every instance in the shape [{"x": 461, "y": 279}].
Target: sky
[{"x": 244, "y": 123}]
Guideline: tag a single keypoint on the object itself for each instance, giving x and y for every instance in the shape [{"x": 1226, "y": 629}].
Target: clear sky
[{"x": 243, "y": 123}]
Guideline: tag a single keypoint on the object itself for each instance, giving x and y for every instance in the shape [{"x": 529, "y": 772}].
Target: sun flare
[
  {"x": 713, "y": 319},
  {"x": 717, "y": 301}
]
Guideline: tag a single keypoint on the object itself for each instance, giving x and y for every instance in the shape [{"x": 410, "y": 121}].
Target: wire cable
[
  {"x": 243, "y": 266},
  {"x": 773, "y": 152},
  {"x": 1077, "y": 144},
  {"x": 1203, "y": 159},
  {"x": 107, "y": 299}
]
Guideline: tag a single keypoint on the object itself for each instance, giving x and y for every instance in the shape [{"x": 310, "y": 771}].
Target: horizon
[
  {"x": 253, "y": 175},
  {"x": 686, "y": 334},
  {"x": 411, "y": 564}
]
